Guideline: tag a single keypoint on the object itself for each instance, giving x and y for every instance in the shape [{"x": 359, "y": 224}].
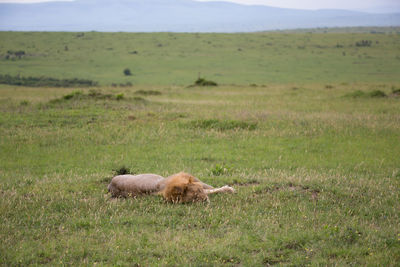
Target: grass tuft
[
  {"x": 122, "y": 170},
  {"x": 220, "y": 169},
  {"x": 224, "y": 125}
]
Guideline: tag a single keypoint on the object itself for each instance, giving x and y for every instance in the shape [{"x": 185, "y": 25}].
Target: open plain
[{"x": 304, "y": 125}]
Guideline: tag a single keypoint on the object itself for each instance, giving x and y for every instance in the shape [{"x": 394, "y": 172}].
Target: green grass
[
  {"x": 316, "y": 169},
  {"x": 258, "y": 58}
]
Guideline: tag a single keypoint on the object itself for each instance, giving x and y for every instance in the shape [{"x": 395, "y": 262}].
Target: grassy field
[
  {"x": 177, "y": 59},
  {"x": 301, "y": 133}
]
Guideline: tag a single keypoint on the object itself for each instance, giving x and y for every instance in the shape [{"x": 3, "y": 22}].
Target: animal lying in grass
[{"x": 178, "y": 188}]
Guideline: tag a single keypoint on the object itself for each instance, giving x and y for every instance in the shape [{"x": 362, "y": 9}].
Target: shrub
[
  {"x": 76, "y": 94},
  {"x": 127, "y": 72},
  {"x": 119, "y": 97},
  {"x": 377, "y": 93},
  {"x": 204, "y": 82}
]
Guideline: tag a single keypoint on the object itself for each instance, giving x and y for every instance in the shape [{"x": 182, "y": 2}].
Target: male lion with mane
[{"x": 178, "y": 188}]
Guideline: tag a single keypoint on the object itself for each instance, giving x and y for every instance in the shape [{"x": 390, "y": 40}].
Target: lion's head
[{"x": 182, "y": 188}]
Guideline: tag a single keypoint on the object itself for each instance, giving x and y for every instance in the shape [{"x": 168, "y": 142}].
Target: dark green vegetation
[
  {"x": 222, "y": 125},
  {"x": 374, "y": 93},
  {"x": 12, "y": 55},
  {"x": 45, "y": 81},
  {"x": 317, "y": 171},
  {"x": 127, "y": 72},
  {"x": 204, "y": 82}
]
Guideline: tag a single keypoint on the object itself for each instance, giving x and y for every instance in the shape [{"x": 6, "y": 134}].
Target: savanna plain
[{"x": 304, "y": 125}]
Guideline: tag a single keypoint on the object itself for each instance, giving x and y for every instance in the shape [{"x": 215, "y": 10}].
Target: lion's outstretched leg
[
  {"x": 224, "y": 189},
  {"x": 205, "y": 186}
]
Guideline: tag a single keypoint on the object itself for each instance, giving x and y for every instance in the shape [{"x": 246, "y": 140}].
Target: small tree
[{"x": 127, "y": 72}]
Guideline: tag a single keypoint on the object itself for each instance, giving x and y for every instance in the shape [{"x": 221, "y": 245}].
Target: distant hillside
[{"x": 175, "y": 16}]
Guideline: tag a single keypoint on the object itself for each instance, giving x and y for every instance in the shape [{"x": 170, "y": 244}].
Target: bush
[
  {"x": 377, "y": 93},
  {"x": 127, "y": 72},
  {"x": 119, "y": 97},
  {"x": 76, "y": 94},
  {"x": 204, "y": 82}
]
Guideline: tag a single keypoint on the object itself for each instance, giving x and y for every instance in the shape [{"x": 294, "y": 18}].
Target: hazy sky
[
  {"x": 303, "y": 4},
  {"x": 315, "y": 4}
]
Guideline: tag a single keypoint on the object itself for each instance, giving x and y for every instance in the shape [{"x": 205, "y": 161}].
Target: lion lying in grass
[{"x": 178, "y": 188}]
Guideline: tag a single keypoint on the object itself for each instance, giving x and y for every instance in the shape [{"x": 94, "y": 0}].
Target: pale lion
[{"x": 178, "y": 188}]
